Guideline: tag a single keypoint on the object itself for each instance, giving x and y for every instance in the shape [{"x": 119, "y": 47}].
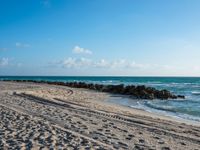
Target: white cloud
[
  {"x": 102, "y": 63},
  {"x": 19, "y": 64},
  {"x": 76, "y": 63},
  {"x": 120, "y": 63},
  {"x": 80, "y": 50},
  {"x": 4, "y": 62},
  {"x": 21, "y": 45},
  {"x": 121, "y": 67},
  {"x": 9, "y": 62}
]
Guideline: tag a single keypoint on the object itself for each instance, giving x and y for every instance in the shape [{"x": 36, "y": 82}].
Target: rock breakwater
[{"x": 137, "y": 92}]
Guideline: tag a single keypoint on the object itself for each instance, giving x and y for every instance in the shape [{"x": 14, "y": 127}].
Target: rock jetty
[{"x": 136, "y": 92}]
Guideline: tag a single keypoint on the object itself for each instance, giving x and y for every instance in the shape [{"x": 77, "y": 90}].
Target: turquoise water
[{"x": 188, "y": 108}]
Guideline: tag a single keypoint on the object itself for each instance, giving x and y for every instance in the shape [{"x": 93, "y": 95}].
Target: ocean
[{"x": 188, "y": 108}]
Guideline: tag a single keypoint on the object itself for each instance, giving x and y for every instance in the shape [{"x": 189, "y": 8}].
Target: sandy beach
[{"x": 42, "y": 116}]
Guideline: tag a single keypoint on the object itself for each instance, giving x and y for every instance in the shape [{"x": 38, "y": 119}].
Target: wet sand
[{"x": 41, "y": 116}]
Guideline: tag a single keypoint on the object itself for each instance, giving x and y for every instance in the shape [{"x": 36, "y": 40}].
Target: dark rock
[{"x": 181, "y": 96}]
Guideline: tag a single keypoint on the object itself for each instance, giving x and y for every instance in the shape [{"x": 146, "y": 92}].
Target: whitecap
[{"x": 195, "y": 92}]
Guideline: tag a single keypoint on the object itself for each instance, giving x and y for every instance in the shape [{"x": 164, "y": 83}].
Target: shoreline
[
  {"x": 83, "y": 115},
  {"x": 156, "y": 115},
  {"x": 162, "y": 115}
]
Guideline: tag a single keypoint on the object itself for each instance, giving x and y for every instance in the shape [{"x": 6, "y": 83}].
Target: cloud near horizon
[
  {"x": 77, "y": 63},
  {"x": 79, "y": 50},
  {"x": 76, "y": 66},
  {"x": 21, "y": 45},
  {"x": 4, "y": 62}
]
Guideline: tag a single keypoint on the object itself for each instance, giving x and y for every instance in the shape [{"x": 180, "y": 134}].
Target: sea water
[{"x": 188, "y": 108}]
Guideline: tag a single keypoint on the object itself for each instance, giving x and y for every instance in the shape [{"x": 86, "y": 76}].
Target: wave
[
  {"x": 166, "y": 110},
  {"x": 188, "y": 117},
  {"x": 159, "y": 107},
  {"x": 195, "y": 92}
]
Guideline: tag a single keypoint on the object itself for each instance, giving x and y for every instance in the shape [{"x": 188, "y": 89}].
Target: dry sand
[{"x": 41, "y": 116}]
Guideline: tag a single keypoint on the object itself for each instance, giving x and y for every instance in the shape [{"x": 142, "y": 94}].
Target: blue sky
[{"x": 100, "y": 37}]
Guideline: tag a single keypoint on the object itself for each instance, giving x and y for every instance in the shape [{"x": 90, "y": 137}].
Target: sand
[{"x": 41, "y": 116}]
